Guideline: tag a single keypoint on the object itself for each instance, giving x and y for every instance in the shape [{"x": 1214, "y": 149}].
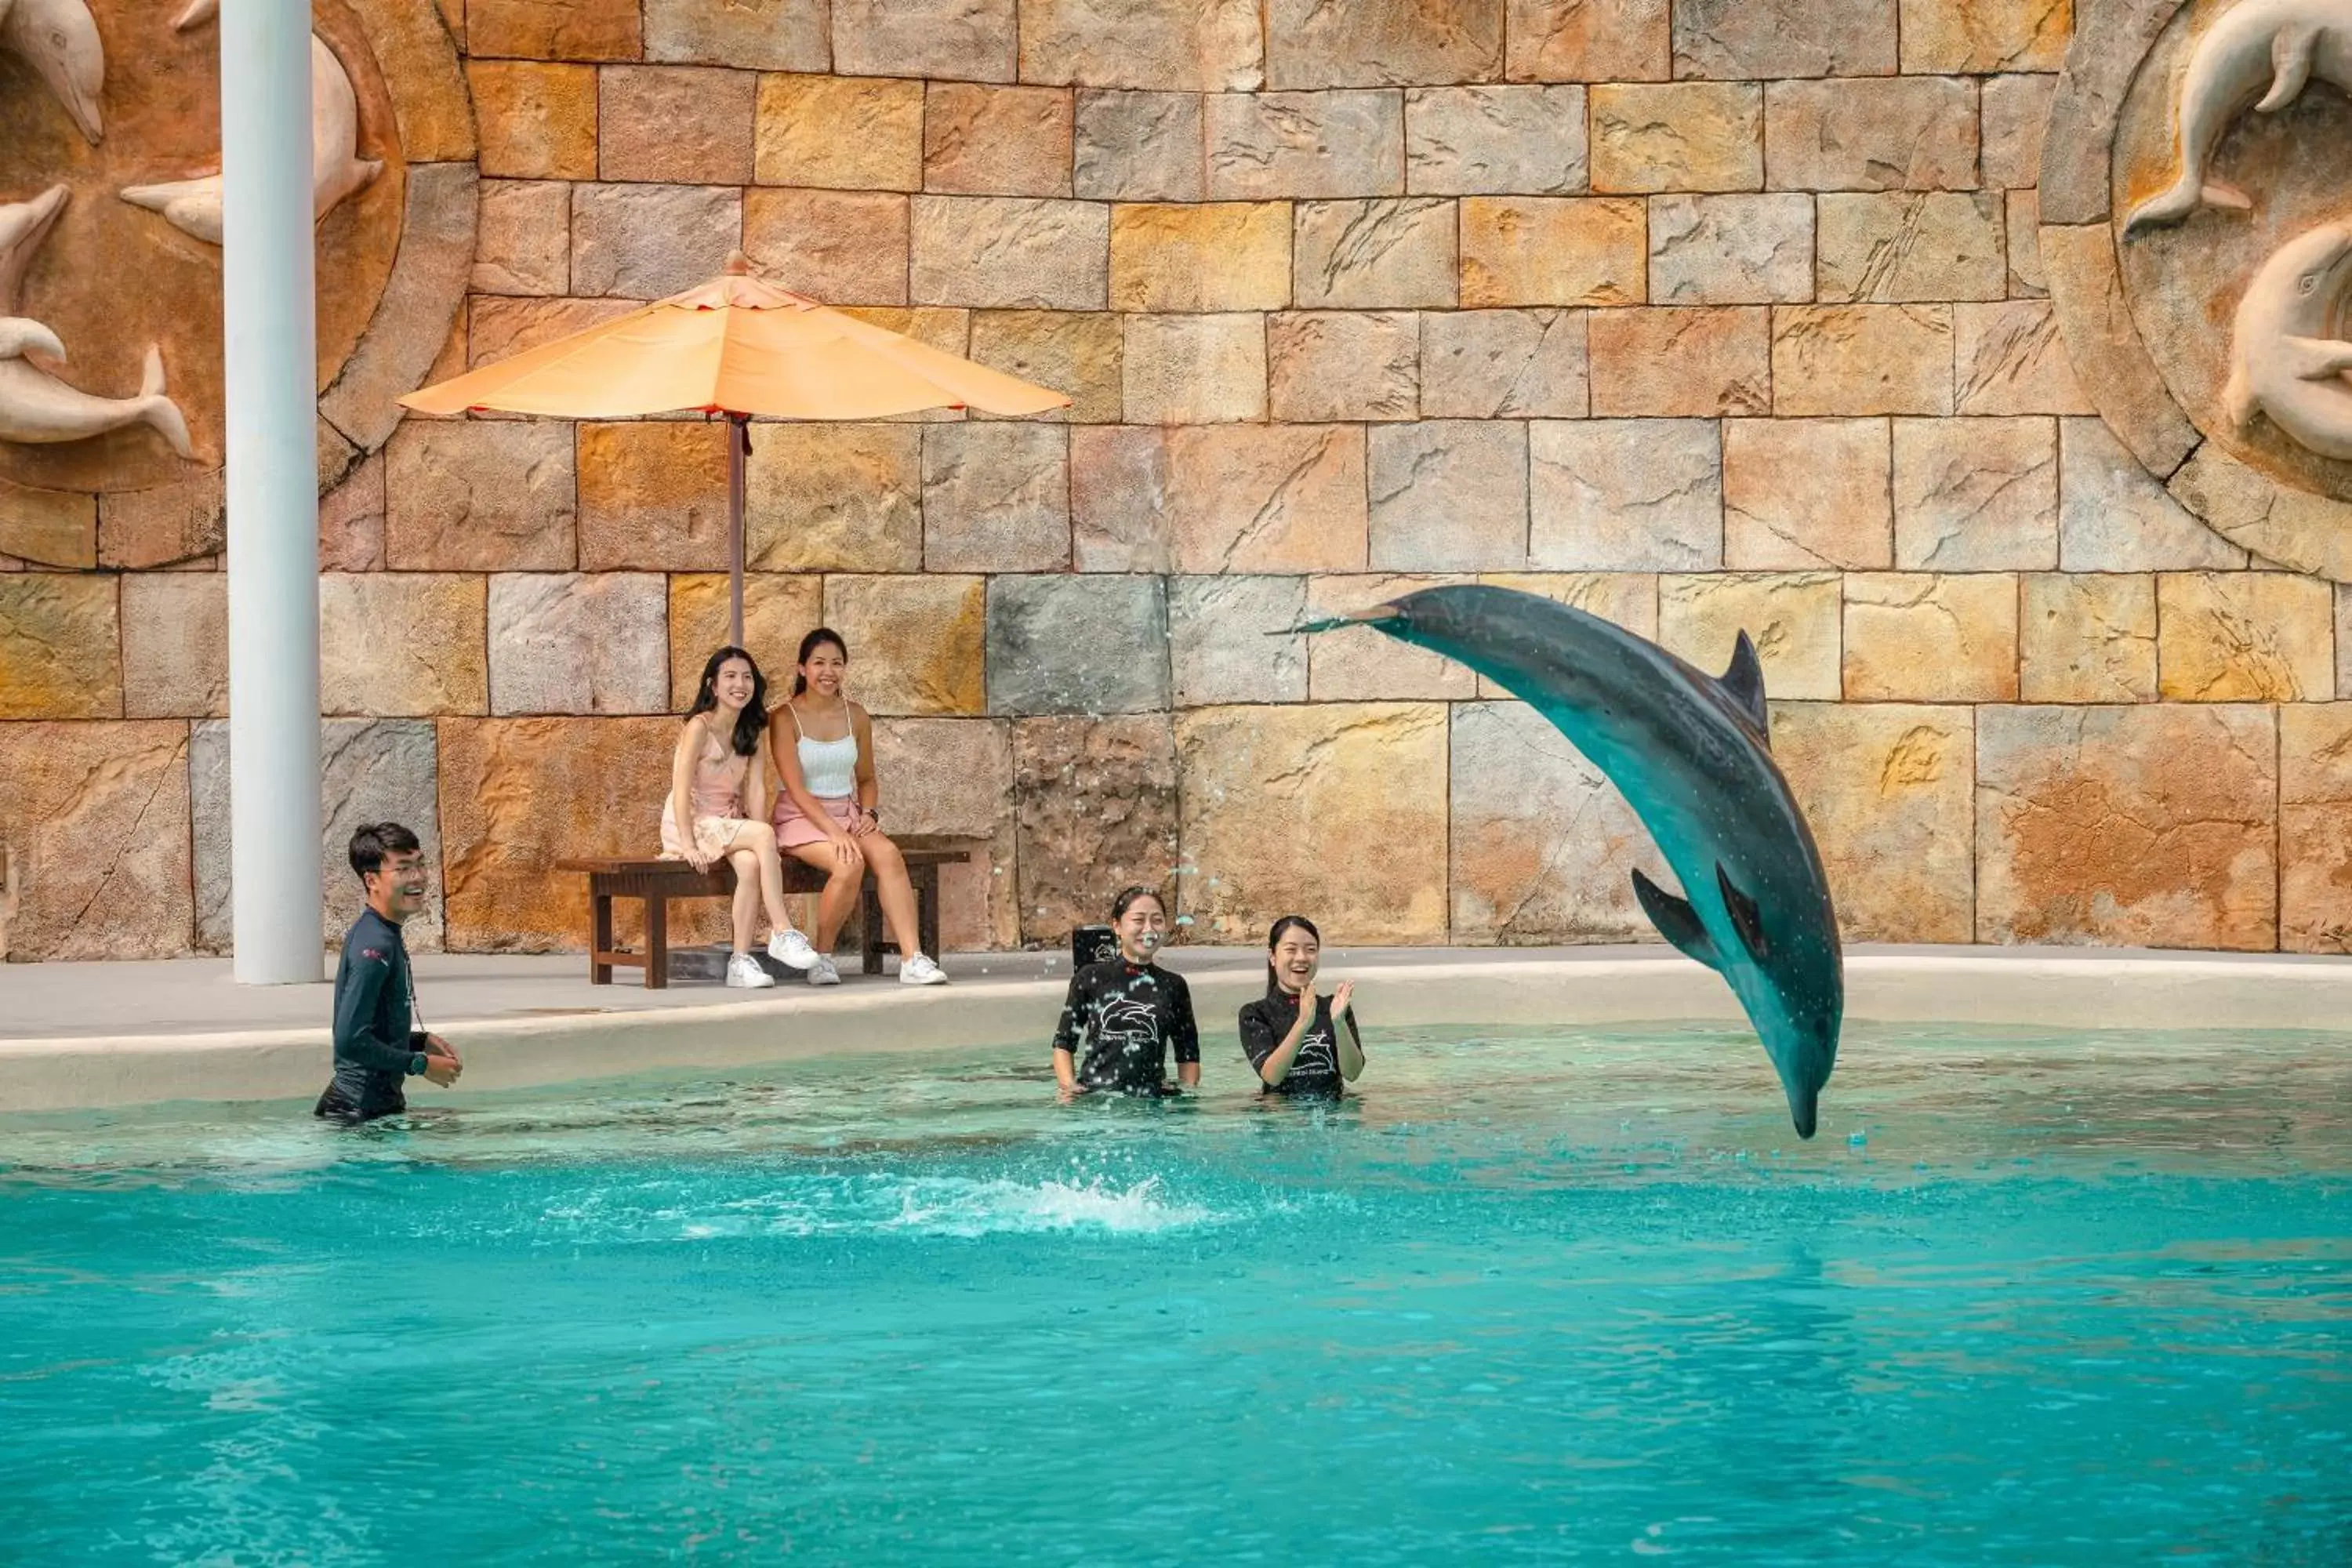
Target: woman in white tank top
[{"x": 827, "y": 813}]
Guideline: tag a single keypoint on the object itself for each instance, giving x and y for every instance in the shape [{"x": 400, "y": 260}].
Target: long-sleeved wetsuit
[
  {"x": 1124, "y": 1017},
  {"x": 376, "y": 1042}
]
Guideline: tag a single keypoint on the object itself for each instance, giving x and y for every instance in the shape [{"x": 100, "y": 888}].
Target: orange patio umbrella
[{"x": 740, "y": 346}]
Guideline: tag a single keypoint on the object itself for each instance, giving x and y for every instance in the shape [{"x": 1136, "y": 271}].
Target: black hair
[
  {"x": 1274, "y": 940},
  {"x": 809, "y": 645},
  {"x": 374, "y": 843},
  {"x": 751, "y": 724},
  {"x": 1126, "y": 901}
]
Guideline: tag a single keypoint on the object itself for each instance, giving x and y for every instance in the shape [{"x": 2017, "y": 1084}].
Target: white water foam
[{"x": 949, "y": 1205}]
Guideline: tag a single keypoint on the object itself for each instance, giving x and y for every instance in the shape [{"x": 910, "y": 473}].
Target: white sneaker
[
  {"x": 791, "y": 948},
  {"x": 822, "y": 972},
  {"x": 920, "y": 971},
  {"x": 744, "y": 971}
]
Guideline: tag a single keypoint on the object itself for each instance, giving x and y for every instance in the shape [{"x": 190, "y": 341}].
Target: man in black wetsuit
[
  {"x": 1127, "y": 1012},
  {"x": 377, "y": 1044}
]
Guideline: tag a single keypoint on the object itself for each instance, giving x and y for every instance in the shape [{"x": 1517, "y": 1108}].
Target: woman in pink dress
[
  {"x": 826, "y": 809},
  {"x": 717, "y": 808}
]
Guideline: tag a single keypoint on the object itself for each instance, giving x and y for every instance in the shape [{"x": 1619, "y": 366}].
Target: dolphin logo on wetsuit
[{"x": 1691, "y": 753}]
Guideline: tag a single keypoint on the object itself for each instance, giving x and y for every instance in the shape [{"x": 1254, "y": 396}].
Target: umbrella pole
[{"x": 739, "y": 442}]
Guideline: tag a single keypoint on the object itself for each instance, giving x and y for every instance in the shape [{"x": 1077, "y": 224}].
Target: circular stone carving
[
  {"x": 111, "y": 279},
  {"x": 2151, "y": 309}
]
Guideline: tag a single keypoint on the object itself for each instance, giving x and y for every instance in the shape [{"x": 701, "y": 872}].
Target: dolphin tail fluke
[
  {"x": 160, "y": 411},
  {"x": 1675, "y": 920}
]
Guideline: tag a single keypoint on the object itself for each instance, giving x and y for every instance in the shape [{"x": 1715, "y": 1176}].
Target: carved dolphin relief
[
  {"x": 23, "y": 226},
  {"x": 2282, "y": 363},
  {"x": 1691, "y": 753},
  {"x": 60, "y": 40},
  {"x": 38, "y": 408},
  {"x": 2262, "y": 52}
]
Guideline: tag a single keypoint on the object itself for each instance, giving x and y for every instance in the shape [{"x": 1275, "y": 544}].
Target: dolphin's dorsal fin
[
  {"x": 1675, "y": 920},
  {"x": 1745, "y": 919},
  {"x": 1744, "y": 684},
  {"x": 2290, "y": 56}
]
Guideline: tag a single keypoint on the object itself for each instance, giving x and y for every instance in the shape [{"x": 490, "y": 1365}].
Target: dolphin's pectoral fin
[
  {"x": 2216, "y": 194},
  {"x": 2317, "y": 359},
  {"x": 1675, "y": 920},
  {"x": 2292, "y": 51},
  {"x": 1744, "y": 684},
  {"x": 1745, "y": 919}
]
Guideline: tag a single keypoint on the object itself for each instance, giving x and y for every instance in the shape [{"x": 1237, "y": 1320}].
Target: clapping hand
[{"x": 1340, "y": 998}]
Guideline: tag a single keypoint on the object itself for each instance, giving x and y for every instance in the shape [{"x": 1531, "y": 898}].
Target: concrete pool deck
[{"x": 96, "y": 1034}]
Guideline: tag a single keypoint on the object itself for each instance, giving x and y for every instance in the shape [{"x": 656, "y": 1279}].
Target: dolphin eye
[{"x": 2306, "y": 283}]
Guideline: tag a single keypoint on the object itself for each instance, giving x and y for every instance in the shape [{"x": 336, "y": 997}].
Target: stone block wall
[{"x": 1703, "y": 315}]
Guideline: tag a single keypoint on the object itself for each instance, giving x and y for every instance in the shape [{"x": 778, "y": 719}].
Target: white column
[{"x": 270, "y": 330}]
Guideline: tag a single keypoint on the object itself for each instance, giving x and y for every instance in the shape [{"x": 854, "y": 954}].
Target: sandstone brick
[
  {"x": 997, "y": 141},
  {"x": 2087, "y": 638},
  {"x": 1324, "y": 366},
  {"x": 1912, "y": 245},
  {"x": 1449, "y": 495},
  {"x": 648, "y": 242},
  {"x": 1804, "y": 493},
  {"x": 498, "y": 328},
  {"x": 2315, "y": 828},
  {"x": 524, "y": 244},
  {"x": 1138, "y": 147},
  {"x": 755, "y": 34},
  {"x": 2027, "y": 276},
  {"x": 1625, "y": 495},
  {"x": 1075, "y": 352},
  {"x": 652, "y": 496},
  {"x": 1542, "y": 846},
  {"x": 918, "y": 643},
  {"x": 480, "y": 496},
  {"x": 1554, "y": 250},
  {"x": 1887, "y": 790},
  {"x": 2245, "y": 636},
  {"x": 176, "y": 644},
  {"x": 1504, "y": 364},
  {"x": 538, "y": 121},
  {"x": 1678, "y": 136},
  {"x": 1976, "y": 495},
  {"x": 1980, "y": 36},
  {"x": 351, "y": 521},
  {"x": 1007, "y": 251},
  {"x": 1742, "y": 38},
  {"x": 1731, "y": 249},
  {"x": 2009, "y": 359},
  {"x": 1095, "y": 801},
  {"x": 1931, "y": 638},
  {"x": 1376, "y": 254},
  {"x": 413, "y": 50},
  {"x": 1862, "y": 359},
  {"x": 1587, "y": 40},
  {"x": 1384, "y": 42},
  {"x": 95, "y": 818},
  {"x": 839, "y": 132},
  {"x": 1220, "y": 643},
  {"x": 1087, "y": 642},
  {"x": 1903, "y": 133},
  {"x": 2343, "y": 640},
  {"x": 2113, "y": 517},
  {"x": 1219, "y": 256},
  {"x": 2150, "y": 825},
  {"x": 554, "y": 29},
  {"x": 996, "y": 497},
  {"x": 403, "y": 644},
  {"x": 61, "y": 646},
  {"x": 835, "y": 498},
  {"x": 957, "y": 40},
  {"x": 566, "y": 642},
  {"x": 1794, "y": 619},
  {"x": 1193, "y": 370},
  {"x": 1229, "y": 498},
  {"x": 1199, "y": 45},
  {"x": 1268, "y": 146},
  {"x": 676, "y": 124},
  {"x": 165, "y": 526},
  {"x": 2013, "y": 110},
  {"x": 953, "y": 777},
  {"x": 779, "y": 609},
  {"x": 845, "y": 247},
  {"x": 1477, "y": 141},
  {"x": 1674, "y": 361},
  {"x": 52, "y": 528}
]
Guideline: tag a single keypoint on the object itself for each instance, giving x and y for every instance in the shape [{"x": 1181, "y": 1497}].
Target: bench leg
[
  {"x": 870, "y": 956},
  {"x": 656, "y": 943},
  {"x": 926, "y": 910},
  {"x": 600, "y": 938}
]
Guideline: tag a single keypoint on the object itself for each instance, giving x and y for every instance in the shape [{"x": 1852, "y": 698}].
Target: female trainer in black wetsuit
[
  {"x": 1298, "y": 1048},
  {"x": 1127, "y": 1012}
]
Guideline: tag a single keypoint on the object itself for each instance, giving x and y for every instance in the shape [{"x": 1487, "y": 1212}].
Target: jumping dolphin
[
  {"x": 2281, "y": 361},
  {"x": 1691, "y": 753},
  {"x": 23, "y": 226},
  {"x": 2259, "y": 50},
  {"x": 36, "y": 407},
  {"x": 60, "y": 40}
]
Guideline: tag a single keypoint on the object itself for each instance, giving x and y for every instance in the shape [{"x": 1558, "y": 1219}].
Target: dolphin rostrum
[
  {"x": 1691, "y": 753},
  {"x": 2260, "y": 52},
  {"x": 60, "y": 40},
  {"x": 2282, "y": 363}
]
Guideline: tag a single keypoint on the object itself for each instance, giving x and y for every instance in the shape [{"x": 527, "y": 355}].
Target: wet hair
[
  {"x": 809, "y": 645},
  {"x": 751, "y": 724},
  {"x": 374, "y": 843},
  {"x": 1127, "y": 898},
  {"x": 1274, "y": 940}
]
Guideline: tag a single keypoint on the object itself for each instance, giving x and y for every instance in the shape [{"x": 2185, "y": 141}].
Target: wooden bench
[{"x": 657, "y": 882}]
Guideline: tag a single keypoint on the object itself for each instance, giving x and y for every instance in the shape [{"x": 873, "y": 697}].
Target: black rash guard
[
  {"x": 1315, "y": 1069},
  {"x": 1125, "y": 1018},
  {"x": 376, "y": 1045}
]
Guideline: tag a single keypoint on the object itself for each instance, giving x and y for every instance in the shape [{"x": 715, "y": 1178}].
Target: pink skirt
[{"x": 796, "y": 827}]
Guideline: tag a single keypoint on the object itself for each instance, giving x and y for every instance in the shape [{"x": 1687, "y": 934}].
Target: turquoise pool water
[{"x": 1557, "y": 1299}]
